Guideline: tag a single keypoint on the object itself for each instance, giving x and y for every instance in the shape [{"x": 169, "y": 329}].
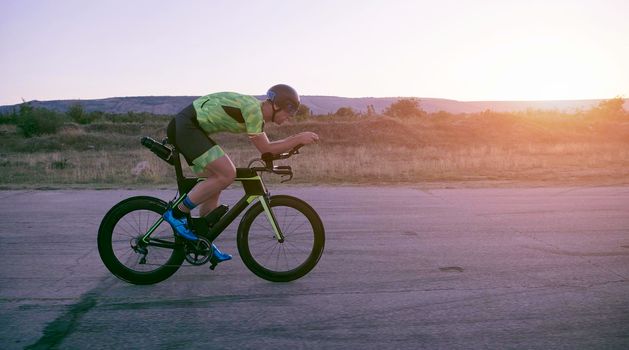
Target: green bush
[
  {"x": 8, "y": 118},
  {"x": 77, "y": 114},
  {"x": 37, "y": 121},
  {"x": 95, "y": 116},
  {"x": 130, "y": 117},
  {"x": 345, "y": 112},
  {"x": 405, "y": 108},
  {"x": 611, "y": 109},
  {"x": 118, "y": 128},
  {"x": 62, "y": 141}
]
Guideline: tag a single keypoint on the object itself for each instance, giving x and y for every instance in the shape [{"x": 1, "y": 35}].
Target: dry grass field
[{"x": 486, "y": 149}]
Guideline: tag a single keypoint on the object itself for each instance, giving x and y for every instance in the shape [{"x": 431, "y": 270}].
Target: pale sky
[{"x": 463, "y": 50}]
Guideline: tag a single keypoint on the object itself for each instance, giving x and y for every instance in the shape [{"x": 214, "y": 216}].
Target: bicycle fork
[{"x": 265, "y": 200}]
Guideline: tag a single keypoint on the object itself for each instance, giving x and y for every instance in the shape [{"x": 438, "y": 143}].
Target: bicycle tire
[
  {"x": 303, "y": 231},
  {"x": 129, "y": 220}
]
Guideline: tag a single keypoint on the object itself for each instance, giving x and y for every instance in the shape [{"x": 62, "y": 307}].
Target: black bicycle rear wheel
[
  {"x": 119, "y": 232},
  {"x": 284, "y": 261}
]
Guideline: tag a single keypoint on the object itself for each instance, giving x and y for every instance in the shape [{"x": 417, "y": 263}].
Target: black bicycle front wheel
[
  {"x": 118, "y": 237},
  {"x": 298, "y": 254}
]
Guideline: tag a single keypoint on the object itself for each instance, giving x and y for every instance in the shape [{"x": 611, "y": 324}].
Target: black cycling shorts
[{"x": 193, "y": 143}]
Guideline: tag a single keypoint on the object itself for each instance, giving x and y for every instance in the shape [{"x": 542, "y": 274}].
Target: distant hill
[{"x": 169, "y": 105}]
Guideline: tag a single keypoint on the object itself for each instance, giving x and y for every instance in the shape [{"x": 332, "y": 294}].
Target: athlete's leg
[
  {"x": 209, "y": 205},
  {"x": 219, "y": 174},
  {"x": 206, "y": 158}
]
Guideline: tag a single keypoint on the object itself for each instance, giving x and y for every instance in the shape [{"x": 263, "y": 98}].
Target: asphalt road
[{"x": 527, "y": 268}]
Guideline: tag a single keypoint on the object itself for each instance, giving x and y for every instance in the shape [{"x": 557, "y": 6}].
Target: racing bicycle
[{"x": 280, "y": 238}]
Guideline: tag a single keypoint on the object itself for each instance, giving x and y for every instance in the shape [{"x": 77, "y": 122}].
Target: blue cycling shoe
[
  {"x": 180, "y": 226},
  {"x": 219, "y": 256}
]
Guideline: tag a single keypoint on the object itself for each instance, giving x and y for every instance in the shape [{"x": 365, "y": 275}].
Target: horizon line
[{"x": 337, "y": 96}]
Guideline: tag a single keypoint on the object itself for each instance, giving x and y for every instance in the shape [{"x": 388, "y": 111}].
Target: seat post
[{"x": 184, "y": 184}]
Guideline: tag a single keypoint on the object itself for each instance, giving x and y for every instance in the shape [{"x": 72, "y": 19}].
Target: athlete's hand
[{"x": 308, "y": 137}]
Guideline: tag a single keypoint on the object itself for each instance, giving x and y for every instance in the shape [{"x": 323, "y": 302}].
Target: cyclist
[{"x": 226, "y": 112}]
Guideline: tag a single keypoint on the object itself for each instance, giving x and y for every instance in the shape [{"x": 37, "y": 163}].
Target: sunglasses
[{"x": 290, "y": 109}]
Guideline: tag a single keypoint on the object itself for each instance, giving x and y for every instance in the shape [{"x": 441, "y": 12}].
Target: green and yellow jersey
[{"x": 229, "y": 112}]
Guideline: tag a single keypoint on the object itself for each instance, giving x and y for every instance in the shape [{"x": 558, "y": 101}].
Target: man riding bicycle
[{"x": 226, "y": 112}]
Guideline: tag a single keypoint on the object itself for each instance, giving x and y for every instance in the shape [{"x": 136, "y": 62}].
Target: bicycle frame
[{"x": 254, "y": 190}]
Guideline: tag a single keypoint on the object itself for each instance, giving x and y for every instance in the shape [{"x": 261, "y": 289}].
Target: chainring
[{"x": 198, "y": 252}]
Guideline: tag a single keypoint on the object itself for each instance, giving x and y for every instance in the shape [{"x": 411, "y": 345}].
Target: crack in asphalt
[
  {"x": 15, "y": 193},
  {"x": 64, "y": 325},
  {"x": 70, "y": 269},
  {"x": 60, "y": 328},
  {"x": 577, "y": 188},
  {"x": 572, "y": 253}
]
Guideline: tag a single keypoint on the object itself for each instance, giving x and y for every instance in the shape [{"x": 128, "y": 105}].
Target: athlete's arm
[{"x": 264, "y": 145}]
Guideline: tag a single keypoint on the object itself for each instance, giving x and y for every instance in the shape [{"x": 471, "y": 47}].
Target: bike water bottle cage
[{"x": 159, "y": 149}]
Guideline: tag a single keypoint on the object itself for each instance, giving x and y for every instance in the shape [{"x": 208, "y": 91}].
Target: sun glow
[
  {"x": 548, "y": 70},
  {"x": 464, "y": 50}
]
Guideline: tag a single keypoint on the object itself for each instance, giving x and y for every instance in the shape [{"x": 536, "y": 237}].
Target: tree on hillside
[
  {"x": 371, "y": 111},
  {"x": 303, "y": 111},
  {"x": 37, "y": 121},
  {"x": 612, "y": 108},
  {"x": 405, "y": 108},
  {"x": 345, "y": 112},
  {"x": 76, "y": 113}
]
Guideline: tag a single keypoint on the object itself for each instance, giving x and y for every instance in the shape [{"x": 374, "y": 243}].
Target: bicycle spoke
[
  {"x": 132, "y": 226},
  {"x": 286, "y": 256}
]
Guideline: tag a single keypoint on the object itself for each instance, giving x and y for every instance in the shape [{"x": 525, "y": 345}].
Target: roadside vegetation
[{"x": 404, "y": 144}]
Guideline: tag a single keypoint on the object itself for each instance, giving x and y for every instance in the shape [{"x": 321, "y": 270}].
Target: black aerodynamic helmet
[{"x": 284, "y": 97}]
